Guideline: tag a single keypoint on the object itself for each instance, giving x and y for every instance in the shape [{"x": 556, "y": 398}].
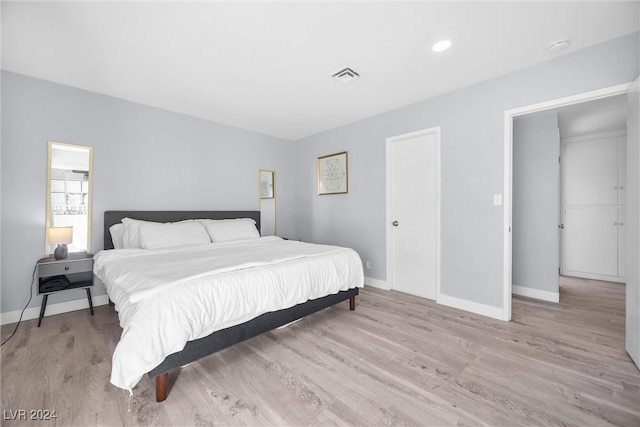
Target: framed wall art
[{"x": 333, "y": 174}]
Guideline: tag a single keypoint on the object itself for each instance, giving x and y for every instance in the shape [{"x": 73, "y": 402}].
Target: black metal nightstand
[{"x": 56, "y": 275}]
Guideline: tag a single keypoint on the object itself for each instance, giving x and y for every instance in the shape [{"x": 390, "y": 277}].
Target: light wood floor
[{"x": 396, "y": 360}]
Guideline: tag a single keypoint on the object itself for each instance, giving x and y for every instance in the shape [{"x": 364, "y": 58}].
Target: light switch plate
[{"x": 497, "y": 200}]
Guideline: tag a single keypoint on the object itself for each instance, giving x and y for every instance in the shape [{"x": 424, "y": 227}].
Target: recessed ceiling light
[{"x": 442, "y": 45}]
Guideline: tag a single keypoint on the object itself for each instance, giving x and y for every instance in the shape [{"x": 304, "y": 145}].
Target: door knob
[
  {"x": 561, "y": 226},
  {"x": 394, "y": 223}
]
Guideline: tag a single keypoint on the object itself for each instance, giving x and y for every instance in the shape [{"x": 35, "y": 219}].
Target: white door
[
  {"x": 413, "y": 213},
  {"x": 591, "y": 241},
  {"x": 591, "y": 172},
  {"x": 593, "y": 203},
  {"x": 622, "y": 242}
]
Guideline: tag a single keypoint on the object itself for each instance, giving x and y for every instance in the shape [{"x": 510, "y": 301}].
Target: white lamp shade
[{"x": 60, "y": 235}]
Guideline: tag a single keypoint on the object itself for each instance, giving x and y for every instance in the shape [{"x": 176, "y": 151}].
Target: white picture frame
[{"x": 333, "y": 174}]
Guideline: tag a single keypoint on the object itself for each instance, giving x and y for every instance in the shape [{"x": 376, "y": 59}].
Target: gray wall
[
  {"x": 536, "y": 202},
  {"x": 472, "y": 123},
  {"x": 144, "y": 158}
]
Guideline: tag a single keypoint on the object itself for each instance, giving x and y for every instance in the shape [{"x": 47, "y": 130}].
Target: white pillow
[
  {"x": 131, "y": 238},
  {"x": 169, "y": 235},
  {"x": 117, "y": 235},
  {"x": 224, "y": 230}
]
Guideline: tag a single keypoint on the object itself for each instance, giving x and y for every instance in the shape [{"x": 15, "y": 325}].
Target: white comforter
[{"x": 167, "y": 297}]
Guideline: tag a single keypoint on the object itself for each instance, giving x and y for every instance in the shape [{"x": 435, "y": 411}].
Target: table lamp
[{"x": 60, "y": 236}]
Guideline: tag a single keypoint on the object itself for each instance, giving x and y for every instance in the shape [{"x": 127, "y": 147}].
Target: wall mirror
[
  {"x": 267, "y": 200},
  {"x": 68, "y": 196}
]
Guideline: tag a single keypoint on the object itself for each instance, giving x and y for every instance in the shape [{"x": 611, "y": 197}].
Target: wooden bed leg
[
  {"x": 352, "y": 303},
  {"x": 161, "y": 387}
]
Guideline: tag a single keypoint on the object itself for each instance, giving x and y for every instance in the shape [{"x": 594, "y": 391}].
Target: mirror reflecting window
[
  {"x": 267, "y": 198},
  {"x": 69, "y": 194}
]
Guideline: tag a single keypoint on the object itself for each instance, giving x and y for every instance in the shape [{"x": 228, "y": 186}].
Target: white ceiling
[
  {"x": 586, "y": 118},
  {"x": 602, "y": 115},
  {"x": 264, "y": 66}
]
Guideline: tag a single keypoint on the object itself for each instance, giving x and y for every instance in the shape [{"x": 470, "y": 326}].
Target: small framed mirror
[
  {"x": 266, "y": 184},
  {"x": 267, "y": 200},
  {"x": 68, "y": 218}
]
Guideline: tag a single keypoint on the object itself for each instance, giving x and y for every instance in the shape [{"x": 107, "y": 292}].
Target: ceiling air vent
[
  {"x": 558, "y": 46},
  {"x": 345, "y": 75}
]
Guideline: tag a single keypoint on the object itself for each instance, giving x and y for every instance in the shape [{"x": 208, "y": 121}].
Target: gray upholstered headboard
[{"x": 114, "y": 217}]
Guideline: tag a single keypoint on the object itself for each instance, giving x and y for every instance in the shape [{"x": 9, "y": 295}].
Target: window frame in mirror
[
  {"x": 48, "y": 216},
  {"x": 267, "y": 198}
]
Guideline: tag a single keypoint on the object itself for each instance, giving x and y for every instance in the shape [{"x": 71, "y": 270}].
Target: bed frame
[{"x": 197, "y": 349}]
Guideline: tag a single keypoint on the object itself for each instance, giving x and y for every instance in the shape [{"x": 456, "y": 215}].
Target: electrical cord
[{"x": 33, "y": 279}]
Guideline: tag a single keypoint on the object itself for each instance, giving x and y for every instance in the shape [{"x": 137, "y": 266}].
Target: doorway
[
  {"x": 510, "y": 115},
  {"x": 413, "y": 213}
]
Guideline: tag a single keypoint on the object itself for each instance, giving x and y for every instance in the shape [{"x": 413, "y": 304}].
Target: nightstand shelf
[{"x": 57, "y": 275}]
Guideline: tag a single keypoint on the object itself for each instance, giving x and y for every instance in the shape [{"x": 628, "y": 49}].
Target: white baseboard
[
  {"x": 473, "y": 307},
  {"x": 617, "y": 279},
  {"x": 376, "y": 283},
  {"x": 484, "y": 310},
  {"x": 535, "y": 293},
  {"x": 58, "y": 308}
]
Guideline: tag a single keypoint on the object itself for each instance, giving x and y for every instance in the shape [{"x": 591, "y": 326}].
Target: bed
[{"x": 271, "y": 283}]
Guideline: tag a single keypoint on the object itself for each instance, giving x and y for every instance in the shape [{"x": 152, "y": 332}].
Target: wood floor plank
[{"x": 396, "y": 360}]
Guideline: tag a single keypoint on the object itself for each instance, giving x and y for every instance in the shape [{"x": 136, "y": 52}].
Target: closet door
[
  {"x": 591, "y": 241},
  {"x": 591, "y": 172},
  {"x": 622, "y": 242},
  {"x": 622, "y": 171},
  {"x": 593, "y": 202}
]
